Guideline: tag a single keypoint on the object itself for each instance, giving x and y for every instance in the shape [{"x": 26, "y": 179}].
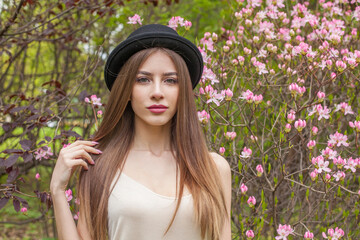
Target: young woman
[{"x": 151, "y": 175}]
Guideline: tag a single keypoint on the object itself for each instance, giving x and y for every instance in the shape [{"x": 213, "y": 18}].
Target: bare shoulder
[{"x": 222, "y": 164}]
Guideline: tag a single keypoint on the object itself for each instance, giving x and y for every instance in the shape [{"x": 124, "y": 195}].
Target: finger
[
  {"x": 80, "y": 154},
  {"x": 82, "y": 142},
  {"x": 79, "y": 162},
  {"x": 87, "y": 149}
]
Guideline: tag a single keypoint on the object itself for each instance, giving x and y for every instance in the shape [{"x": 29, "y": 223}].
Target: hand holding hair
[{"x": 74, "y": 155}]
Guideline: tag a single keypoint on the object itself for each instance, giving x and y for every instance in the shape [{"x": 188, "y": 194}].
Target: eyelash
[{"x": 173, "y": 80}]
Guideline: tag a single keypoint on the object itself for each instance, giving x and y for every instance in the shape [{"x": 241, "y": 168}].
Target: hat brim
[{"x": 185, "y": 48}]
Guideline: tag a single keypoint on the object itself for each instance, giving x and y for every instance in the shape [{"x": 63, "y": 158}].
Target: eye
[
  {"x": 171, "y": 80},
  {"x": 142, "y": 80}
]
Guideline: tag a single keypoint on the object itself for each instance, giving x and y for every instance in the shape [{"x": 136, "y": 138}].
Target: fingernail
[
  {"x": 93, "y": 142},
  {"x": 98, "y": 151}
]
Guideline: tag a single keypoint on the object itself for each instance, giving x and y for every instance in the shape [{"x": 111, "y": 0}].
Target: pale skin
[{"x": 150, "y": 161}]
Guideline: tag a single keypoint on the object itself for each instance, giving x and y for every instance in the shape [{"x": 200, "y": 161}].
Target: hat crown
[{"x": 153, "y": 28}]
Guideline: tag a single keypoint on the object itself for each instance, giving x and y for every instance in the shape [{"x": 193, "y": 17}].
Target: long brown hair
[{"x": 115, "y": 136}]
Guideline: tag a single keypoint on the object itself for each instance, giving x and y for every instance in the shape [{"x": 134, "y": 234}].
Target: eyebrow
[{"x": 150, "y": 74}]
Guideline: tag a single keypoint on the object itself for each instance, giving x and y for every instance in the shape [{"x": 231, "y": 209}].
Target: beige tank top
[{"x": 137, "y": 213}]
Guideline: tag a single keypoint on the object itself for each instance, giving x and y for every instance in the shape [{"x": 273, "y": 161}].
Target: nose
[{"x": 157, "y": 91}]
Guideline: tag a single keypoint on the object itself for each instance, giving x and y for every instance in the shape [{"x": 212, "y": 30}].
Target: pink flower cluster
[
  {"x": 284, "y": 231},
  {"x": 230, "y": 135},
  {"x": 344, "y": 107},
  {"x": 323, "y": 112},
  {"x": 41, "y": 153},
  {"x": 334, "y": 234},
  {"x": 309, "y": 235},
  {"x": 259, "y": 170},
  {"x": 243, "y": 188},
  {"x": 94, "y": 100},
  {"x": 251, "y": 201},
  {"x": 250, "y": 97},
  {"x": 176, "y": 21},
  {"x": 135, "y": 19},
  {"x": 68, "y": 195},
  {"x": 356, "y": 125},
  {"x": 250, "y": 234},
  {"x": 296, "y": 90},
  {"x": 300, "y": 125},
  {"x": 338, "y": 139},
  {"x": 203, "y": 116},
  {"x": 246, "y": 153}
]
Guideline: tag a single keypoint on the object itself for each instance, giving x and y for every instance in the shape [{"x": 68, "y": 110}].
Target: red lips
[{"x": 157, "y": 108}]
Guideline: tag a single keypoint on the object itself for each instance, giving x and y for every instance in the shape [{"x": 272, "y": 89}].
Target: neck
[{"x": 154, "y": 139}]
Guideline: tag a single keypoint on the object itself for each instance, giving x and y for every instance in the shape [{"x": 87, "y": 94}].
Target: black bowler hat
[{"x": 154, "y": 35}]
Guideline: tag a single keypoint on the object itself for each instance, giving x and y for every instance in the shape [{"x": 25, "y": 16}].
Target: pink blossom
[
  {"x": 296, "y": 90},
  {"x": 23, "y": 209},
  {"x": 259, "y": 170},
  {"x": 238, "y": 15},
  {"x": 333, "y": 75},
  {"x": 226, "y": 48},
  {"x": 68, "y": 195},
  {"x": 214, "y": 37},
  {"x": 99, "y": 114},
  {"x": 230, "y": 135},
  {"x": 203, "y": 116},
  {"x": 135, "y": 19},
  {"x": 338, "y": 139},
  {"x": 314, "y": 174},
  {"x": 339, "y": 176},
  {"x": 253, "y": 138},
  {"x": 311, "y": 144},
  {"x": 41, "y": 153},
  {"x": 247, "y": 51},
  {"x": 250, "y": 234},
  {"x": 228, "y": 94},
  {"x": 76, "y": 216},
  {"x": 248, "y": 22},
  {"x": 340, "y": 65},
  {"x": 300, "y": 125},
  {"x": 175, "y": 21},
  {"x": 323, "y": 112},
  {"x": 257, "y": 99},
  {"x": 351, "y": 164},
  {"x": 356, "y": 125},
  {"x": 291, "y": 116},
  {"x": 334, "y": 234},
  {"x": 37, "y": 176},
  {"x": 251, "y": 201},
  {"x": 308, "y": 235},
  {"x": 284, "y": 231},
  {"x": 314, "y": 130},
  {"x": 287, "y": 128},
  {"x": 329, "y": 153},
  {"x": 187, "y": 24},
  {"x": 246, "y": 153},
  {"x": 201, "y": 91},
  {"x": 321, "y": 164},
  {"x": 344, "y": 107},
  {"x": 209, "y": 75},
  {"x": 77, "y": 201},
  {"x": 222, "y": 150},
  {"x": 243, "y": 188},
  {"x": 321, "y": 96},
  {"x": 94, "y": 100},
  {"x": 339, "y": 162},
  {"x": 248, "y": 95}
]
